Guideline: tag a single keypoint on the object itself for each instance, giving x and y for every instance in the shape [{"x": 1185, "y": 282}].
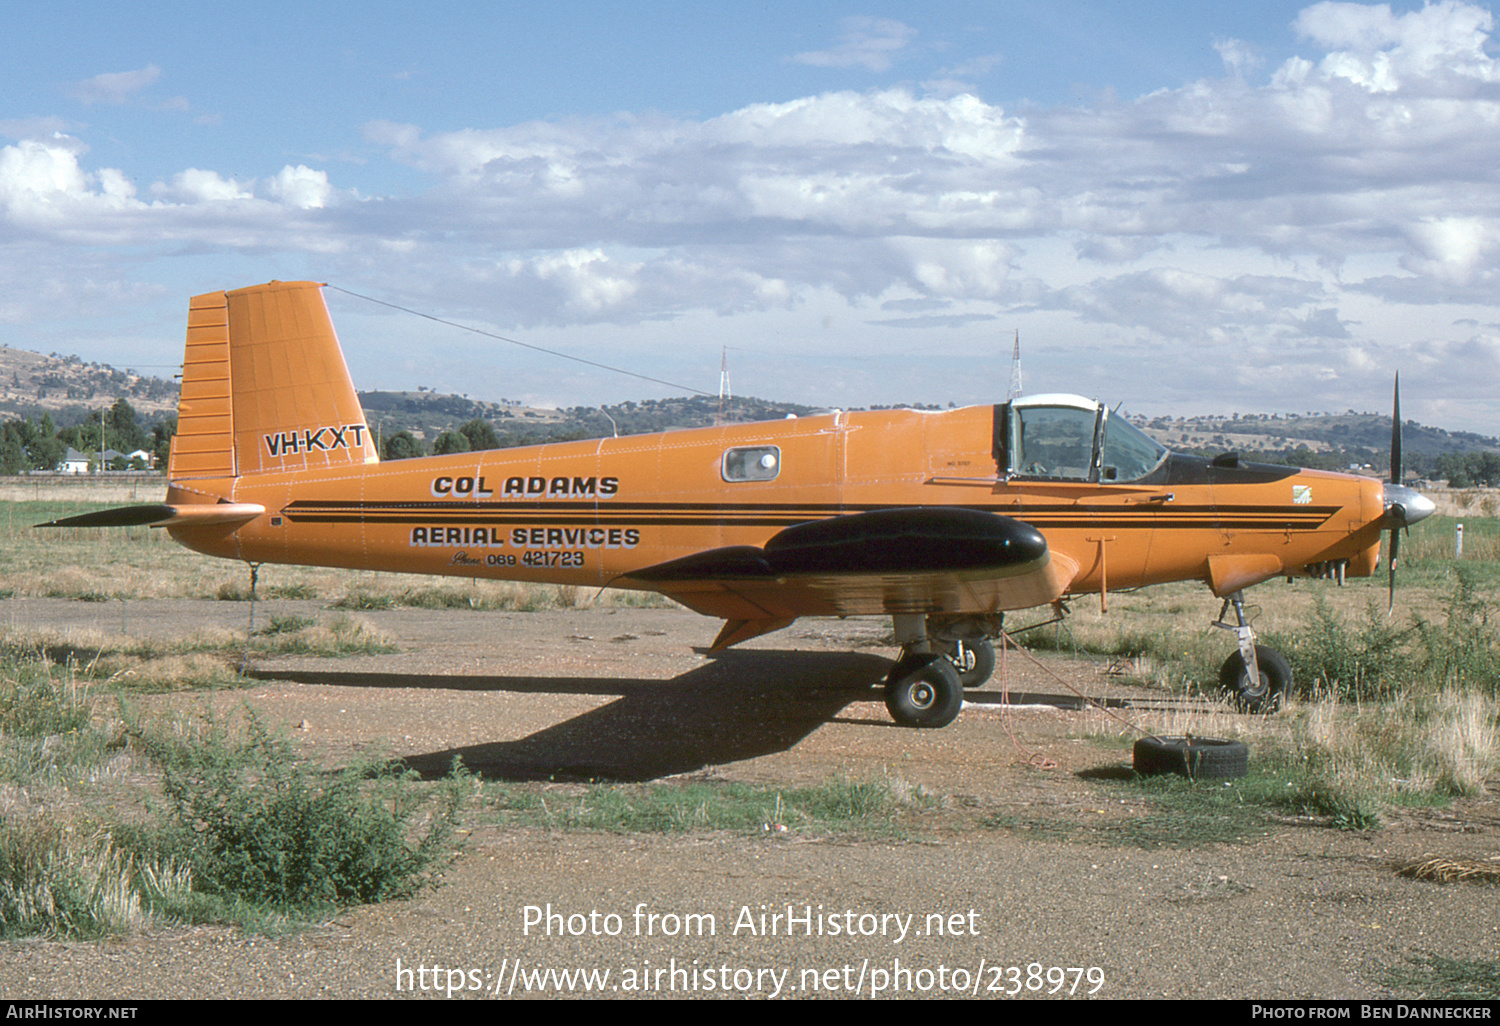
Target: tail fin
[{"x": 265, "y": 387}]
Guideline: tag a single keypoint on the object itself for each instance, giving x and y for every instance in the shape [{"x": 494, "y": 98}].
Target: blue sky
[{"x": 1188, "y": 207}]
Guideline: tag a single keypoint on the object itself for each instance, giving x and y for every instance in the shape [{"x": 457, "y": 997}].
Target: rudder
[{"x": 265, "y": 387}]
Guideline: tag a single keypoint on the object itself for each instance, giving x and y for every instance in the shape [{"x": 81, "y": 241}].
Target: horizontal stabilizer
[{"x": 162, "y": 514}]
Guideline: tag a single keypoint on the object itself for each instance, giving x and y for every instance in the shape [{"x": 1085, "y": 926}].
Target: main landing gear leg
[
  {"x": 1257, "y": 678},
  {"x": 923, "y": 689},
  {"x": 968, "y": 642}
]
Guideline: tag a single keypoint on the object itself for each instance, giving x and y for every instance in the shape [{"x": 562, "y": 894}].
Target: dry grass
[
  {"x": 1444, "y": 744},
  {"x": 1445, "y": 870},
  {"x": 203, "y": 659},
  {"x": 1465, "y": 502},
  {"x": 101, "y": 565},
  {"x": 82, "y": 488},
  {"x": 206, "y": 658}
]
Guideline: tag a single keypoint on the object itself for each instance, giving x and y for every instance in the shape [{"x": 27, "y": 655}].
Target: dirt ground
[{"x": 951, "y": 910}]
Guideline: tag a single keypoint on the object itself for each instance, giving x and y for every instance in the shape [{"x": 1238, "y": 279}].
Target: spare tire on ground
[{"x": 1197, "y": 758}]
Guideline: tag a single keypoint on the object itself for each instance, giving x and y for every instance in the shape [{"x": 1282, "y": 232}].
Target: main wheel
[
  {"x": 1197, "y": 758},
  {"x": 924, "y": 691},
  {"x": 1264, "y": 695},
  {"x": 974, "y": 661}
]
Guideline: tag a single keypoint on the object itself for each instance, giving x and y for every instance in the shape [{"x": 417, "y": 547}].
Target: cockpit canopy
[{"x": 1070, "y": 438}]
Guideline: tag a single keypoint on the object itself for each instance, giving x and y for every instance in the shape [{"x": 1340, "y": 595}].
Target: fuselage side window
[
  {"x": 1053, "y": 442},
  {"x": 751, "y": 463},
  {"x": 1129, "y": 453}
]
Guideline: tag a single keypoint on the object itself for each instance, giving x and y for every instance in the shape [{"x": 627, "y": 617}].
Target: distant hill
[
  {"x": 428, "y": 414},
  {"x": 1366, "y": 436},
  {"x": 72, "y": 390}
]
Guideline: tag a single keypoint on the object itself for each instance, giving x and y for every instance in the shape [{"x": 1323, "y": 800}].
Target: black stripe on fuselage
[{"x": 707, "y": 514}]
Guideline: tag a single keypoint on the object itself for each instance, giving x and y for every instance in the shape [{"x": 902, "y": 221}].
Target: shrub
[
  {"x": 1461, "y": 652},
  {"x": 1366, "y": 659},
  {"x": 1374, "y": 658},
  {"x": 256, "y": 825}
]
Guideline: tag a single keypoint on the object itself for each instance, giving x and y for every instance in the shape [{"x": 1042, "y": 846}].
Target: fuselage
[{"x": 590, "y": 512}]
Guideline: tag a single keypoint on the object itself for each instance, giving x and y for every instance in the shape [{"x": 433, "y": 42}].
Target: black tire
[
  {"x": 924, "y": 691},
  {"x": 1197, "y": 758},
  {"x": 1267, "y": 694},
  {"x": 974, "y": 661}
]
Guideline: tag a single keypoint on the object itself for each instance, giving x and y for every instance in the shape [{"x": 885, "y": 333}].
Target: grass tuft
[
  {"x": 1447, "y": 979},
  {"x": 52, "y": 886},
  {"x": 871, "y": 806}
]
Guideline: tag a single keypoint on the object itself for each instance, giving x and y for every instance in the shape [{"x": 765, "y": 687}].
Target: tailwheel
[
  {"x": 974, "y": 661},
  {"x": 924, "y": 690}
]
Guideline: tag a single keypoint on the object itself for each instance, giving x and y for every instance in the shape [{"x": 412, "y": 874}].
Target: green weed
[
  {"x": 288, "y": 623},
  {"x": 364, "y": 600},
  {"x": 1462, "y": 651},
  {"x": 858, "y": 806},
  {"x": 1343, "y": 809},
  {"x": 1360, "y": 660},
  {"x": 246, "y": 832},
  {"x": 1179, "y": 813},
  {"x": 1447, "y": 979},
  {"x": 255, "y": 825}
]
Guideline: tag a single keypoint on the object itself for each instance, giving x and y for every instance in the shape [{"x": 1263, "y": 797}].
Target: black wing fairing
[
  {"x": 889, "y": 541},
  {"x": 904, "y": 560}
]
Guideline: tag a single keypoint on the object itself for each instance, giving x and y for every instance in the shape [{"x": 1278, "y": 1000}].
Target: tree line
[
  {"x": 37, "y": 443},
  {"x": 1470, "y": 469}
]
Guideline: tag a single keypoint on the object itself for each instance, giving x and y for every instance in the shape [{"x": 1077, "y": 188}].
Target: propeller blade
[
  {"x": 1395, "y": 550},
  {"x": 1396, "y": 513},
  {"x": 1396, "y": 433}
]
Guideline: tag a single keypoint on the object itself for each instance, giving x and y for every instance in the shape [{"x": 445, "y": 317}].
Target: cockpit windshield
[
  {"x": 1069, "y": 438},
  {"x": 1054, "y": 441}
]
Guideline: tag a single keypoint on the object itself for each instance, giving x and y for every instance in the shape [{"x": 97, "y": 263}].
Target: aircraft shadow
[{"x": 741, "y": 705}]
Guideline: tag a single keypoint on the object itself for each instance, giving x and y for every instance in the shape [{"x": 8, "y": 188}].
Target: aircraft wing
[{"x": 916, "y": 560}]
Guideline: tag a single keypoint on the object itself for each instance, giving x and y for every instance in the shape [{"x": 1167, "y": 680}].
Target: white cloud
[
  {"x": 1218, "y": 216},
  {"x": 1238, "y": 56},
  {"x": 115, "y": 87},
  {"x": 47, "y": 194},
  {"x": 865, "y": 42},
  {"x": 198, "y": 186},
  {"x": 1345, "y": 203},
  {"x": 1438, "y": 45},
  {"x": 301, "y": 187},
  {"x": 1452, "y": 248},
  {"x": 42, "y": 184},
  {"x": 35, "y": 169}
]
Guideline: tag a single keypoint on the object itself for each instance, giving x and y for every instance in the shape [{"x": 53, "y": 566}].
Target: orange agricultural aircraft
[{"x": 941, "y": 520}]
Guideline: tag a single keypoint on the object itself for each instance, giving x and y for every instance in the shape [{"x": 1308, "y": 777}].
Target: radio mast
[
  {"x": 1015, "y": 368},
  {"x": 723, "y": 383}
]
